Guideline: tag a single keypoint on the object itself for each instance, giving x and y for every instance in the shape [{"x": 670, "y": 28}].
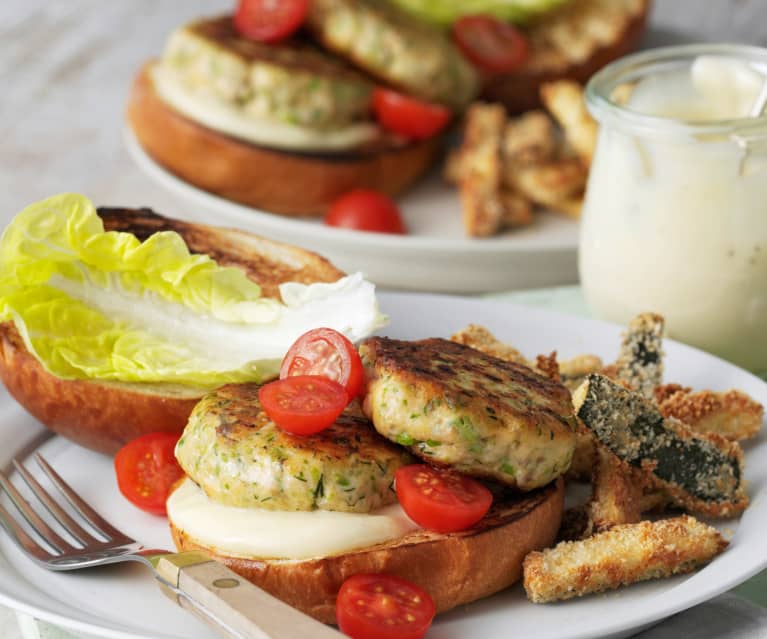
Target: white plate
[
  {"x": 123, "y": 601},
  {"x": 436, "y": 256}
]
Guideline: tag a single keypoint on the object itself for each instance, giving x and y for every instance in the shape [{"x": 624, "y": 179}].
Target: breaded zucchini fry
[
  {"x": 550, "y": 183},
  {"x": 564, "y": 100},
  {"x": 616, "y": 496},
  {"x": 574, "y": 370},
  {"x": 481, "y": 339},
  {"x": 640, "y": 361},
  {"x": 487, "y": 202},
  {"x": 733, "y": 414},
  {"x": 623, "y": 555},
  {"x": 529, "y": 139},
  {"x": 702, "y": 473}
]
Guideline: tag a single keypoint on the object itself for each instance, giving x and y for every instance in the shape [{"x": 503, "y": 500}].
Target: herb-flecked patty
[
  {"x": 453, "y": 405},
  {"x": 294, "y": 82},
  {"x": 392, "y": 45},
  {"x": 239, "y": 457}
]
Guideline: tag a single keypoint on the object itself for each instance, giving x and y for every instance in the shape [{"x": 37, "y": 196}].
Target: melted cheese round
[
  {"x": 276, "y": 534},
  {"x": 224, "y": 118}
]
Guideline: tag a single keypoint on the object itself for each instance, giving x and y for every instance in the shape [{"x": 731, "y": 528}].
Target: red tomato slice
[
  {"x": 407, "y": 116},
  {"x": 440, "y": 500},
  {"x": 303, "y": 405},
  {"x": 325, "y": 352},
  {"x": 146, "y": 468},
  {"x": 270, "y": 20},
  {"x": 383, "y": 607},
  {"x": 491, "y": 44},
  {"x": 365, "y": 210}
]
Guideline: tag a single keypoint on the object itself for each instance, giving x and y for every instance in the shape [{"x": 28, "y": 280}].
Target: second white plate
[
  {"x": 123, "y": 602},
  {"x": 435, "y": 256}
]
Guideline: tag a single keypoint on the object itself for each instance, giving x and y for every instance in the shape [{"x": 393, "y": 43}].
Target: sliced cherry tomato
[
  {"x": 325, "y": 352},
  {"x": 365, "y": 210},
  {"x": 303, "y": 405},
  {"x": 441, "y": 500},
  {"x": 491, "y": 44},
  {"x": 146, "y": 468},
  {"x": 407, "y": 116},
  {"x": 383, "y": 607},
  {"x": 270, "y": 20}
]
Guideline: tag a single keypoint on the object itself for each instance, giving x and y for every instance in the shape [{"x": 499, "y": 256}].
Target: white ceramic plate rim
[
  {"x": 269, "y": 222},
  {"x": 575, "y": 335}
]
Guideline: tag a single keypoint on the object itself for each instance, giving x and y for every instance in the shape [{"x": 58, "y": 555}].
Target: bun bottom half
[
  {"x": 455, "y": 568},
  {"x": 284, "y": 182},
  {"x": 98, "y": 415}
]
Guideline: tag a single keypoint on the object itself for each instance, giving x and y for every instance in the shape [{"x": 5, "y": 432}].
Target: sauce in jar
[{"x": 675, "y": 218}]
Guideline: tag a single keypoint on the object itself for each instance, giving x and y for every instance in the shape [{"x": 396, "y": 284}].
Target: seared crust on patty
[
  {"x": 453, "y": 405},
  {"x": 239, "y": 457}
]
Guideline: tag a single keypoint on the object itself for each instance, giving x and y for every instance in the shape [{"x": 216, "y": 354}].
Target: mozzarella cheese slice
[
  {"x": 278, "y": 534},
  {"x": 224, "y": 118}
]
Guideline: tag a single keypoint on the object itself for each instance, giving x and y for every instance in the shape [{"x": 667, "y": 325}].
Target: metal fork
[{"x": 234, "y": 606}]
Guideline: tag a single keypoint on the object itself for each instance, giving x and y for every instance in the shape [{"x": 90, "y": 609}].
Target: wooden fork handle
[{"x": 233, "y": 605}]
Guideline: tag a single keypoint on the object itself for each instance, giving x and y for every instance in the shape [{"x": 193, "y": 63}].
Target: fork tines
[{"x": 109, "y": 536}]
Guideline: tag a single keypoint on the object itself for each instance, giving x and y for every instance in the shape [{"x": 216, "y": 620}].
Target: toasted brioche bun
[
  {"x": 105, "y": 415},
  {"x": 569, "y": 45},
  {"x": 454, "y": 568},
  {"x": 286, "y": 182}
]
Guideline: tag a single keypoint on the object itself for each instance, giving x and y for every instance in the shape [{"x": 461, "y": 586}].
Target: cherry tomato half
[
  {"x": 491, "y": 44},
  {"x": 383, "y": 607},
  {"x": 408, "y": 116},
  {"x": 325, "y": 352},
  {"x": 441, "y": 500},
  {"x": 146, "y": 468},
  {"x": 270, "y": 20},
  {"x": 365, "y": 210},
  {"x": 303, "y": 405}
]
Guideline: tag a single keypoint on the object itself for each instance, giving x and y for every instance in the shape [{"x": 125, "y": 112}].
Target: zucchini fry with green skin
[
  {"x": 623, "y": 555},
  {"x": 640, "y": 362},
  {"x": 701, "y": 473}
]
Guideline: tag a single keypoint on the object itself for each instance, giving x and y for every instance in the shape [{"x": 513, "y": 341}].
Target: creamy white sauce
[
  {"x": 220, "y": 116},
  {"x": 679, "y": 226},
  {"x": 276, "y": 534}
]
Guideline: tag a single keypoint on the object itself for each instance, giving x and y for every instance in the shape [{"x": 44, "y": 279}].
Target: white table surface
[{"x": 65, "y": 69}]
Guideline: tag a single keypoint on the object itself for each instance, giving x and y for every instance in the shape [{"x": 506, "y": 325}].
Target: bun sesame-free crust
[
  {"x": 454, "y": 568},
  {"x": 286, "y": 182}
]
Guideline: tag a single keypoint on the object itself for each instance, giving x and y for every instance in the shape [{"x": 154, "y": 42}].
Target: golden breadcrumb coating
[
  {"x": 702, "y": 473},
  {"x": 623, "y": 555},
  {"x": 564, "y": 100},
  {"x": 616, "y": 496},
  {"x": 481, "y": 339},
  {"x": 732, "y": 414},
  {"x": 640, "y": 360}
]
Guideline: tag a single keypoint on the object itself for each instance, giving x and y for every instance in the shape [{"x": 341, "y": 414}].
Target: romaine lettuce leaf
[
  {"x": 447, "y": 11},
  {"x": 91, "y": 304}
]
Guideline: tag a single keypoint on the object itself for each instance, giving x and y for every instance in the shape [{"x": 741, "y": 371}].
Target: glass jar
[{"x": 675, "y": 215}]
